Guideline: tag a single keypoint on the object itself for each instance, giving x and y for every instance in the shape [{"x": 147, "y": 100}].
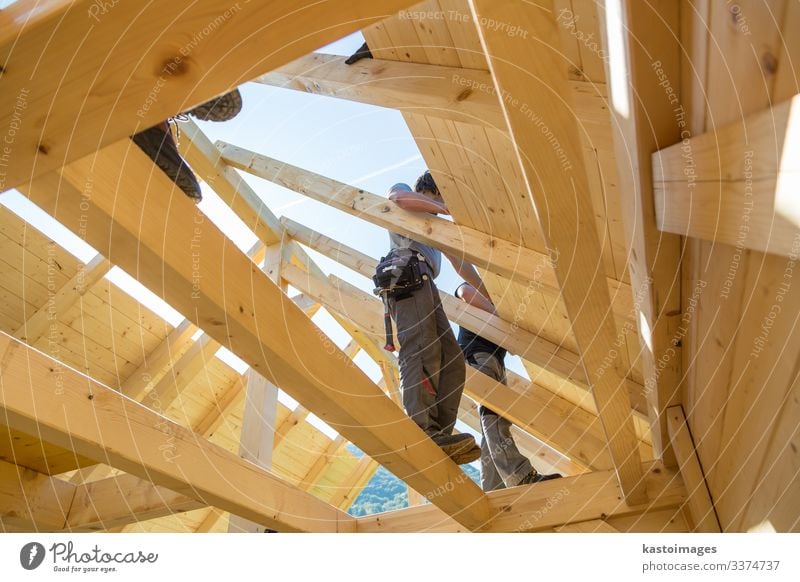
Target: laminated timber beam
[
  {"x": 454, "y": 93},
  {"x": 566, "y": 427},
  {"x": 531, "y": 73},
  {"x": 741, "y": 187},
  {"x": 68, "y": 409},
  {"x": 545, "y": 506},
  {"x": 644, "y": 56},
  {"x": 535, "y": 349},
  {"x": 240, "y": 307},
  {"x": 518, "y": 263},
  {"x": 128, "y": 67}
]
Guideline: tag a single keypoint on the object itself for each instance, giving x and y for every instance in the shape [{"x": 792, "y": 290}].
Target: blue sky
[{"x": 365, "y": 146}]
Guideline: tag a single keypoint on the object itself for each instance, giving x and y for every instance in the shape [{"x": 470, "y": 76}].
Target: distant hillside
[{"x": 385, "y": 492}]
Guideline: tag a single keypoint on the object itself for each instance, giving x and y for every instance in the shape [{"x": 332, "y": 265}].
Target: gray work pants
[
  {"x": 431, "y": 363},
  {"x": 502, "y": 465}
]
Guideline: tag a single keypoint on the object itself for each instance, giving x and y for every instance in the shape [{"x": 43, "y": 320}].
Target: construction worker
[
  {"x": 431, "y": 364},
  {"x": 502, "y": 464}
]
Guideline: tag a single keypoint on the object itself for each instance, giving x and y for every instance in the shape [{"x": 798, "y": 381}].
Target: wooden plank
[
  {"x": 237, "y": 304},
  {"x": 699, "y": 499},
  {"x": 544, "y": 506},
  {"x": 453, "y": 93},
  {"x": 742, "y": 188},
  {"x": 204, "y": 159},
  {"x": 645, "y": 56},
  {"x": 535, "y": 77},
  {"x": 71, "y": 410},
  {"x": 496, "y": 255},
  {"x": 121, "y": 500},
  {"x": 155, "y": 73}
]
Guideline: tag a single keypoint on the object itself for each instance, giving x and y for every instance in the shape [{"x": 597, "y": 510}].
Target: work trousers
[
  {"x": 431, "y": 363},
  {"x": 502, "y": 464}
]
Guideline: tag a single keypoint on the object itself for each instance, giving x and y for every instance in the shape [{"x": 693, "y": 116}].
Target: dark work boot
[
  {"x": 158, "y": 144},
  {"x": 222, "y": 108},
  {"x": 536, "y": 477}
]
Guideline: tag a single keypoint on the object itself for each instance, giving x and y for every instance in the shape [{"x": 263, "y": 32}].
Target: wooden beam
[
  {"x": 548, "y": 355},
  {"x": 741, "y": 186},
  {"x": 545, "y": 506},
  {"x": 531, "y": 73},
  {"x": 156, "y": 73},
  {"x": 454, "y": 93},
  {"x": 32, "y": 501},
  {"x": 69, "y": 409},
  {"x": 122, "y": 500},
  {"x": 644, "y": 59},
  {"x": 238, "y": 305},
  {"x": 701, "y": 507},
  {"x": 229, "y": 185},
  {"x": 256, "y": 439},
  {"x": 61, "y": 301}
]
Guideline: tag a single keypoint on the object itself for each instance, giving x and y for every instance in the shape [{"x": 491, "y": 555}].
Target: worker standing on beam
[
  {"x": 502, "y": 464},
  {"x": 431, "y": 364}
]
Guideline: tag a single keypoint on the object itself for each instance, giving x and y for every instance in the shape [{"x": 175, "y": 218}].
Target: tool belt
[{"x": 399, "y": 274}]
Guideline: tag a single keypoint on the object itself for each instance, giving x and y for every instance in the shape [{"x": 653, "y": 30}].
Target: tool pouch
[{"x": 398, "y": 275}]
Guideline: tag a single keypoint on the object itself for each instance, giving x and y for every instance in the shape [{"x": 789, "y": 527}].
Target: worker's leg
[
  {"x": 510, "y": 463},
  {"x": 450, "y": 383},
  {"x": 419, "y": 357},
  {"x": 490, "y": 478}
]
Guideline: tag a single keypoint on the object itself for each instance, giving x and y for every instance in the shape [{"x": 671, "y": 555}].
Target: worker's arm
[
  {"x": 467, "y": 272},
  {"x": 469, "y": 294},
  {"x": 415, "y": 202}
]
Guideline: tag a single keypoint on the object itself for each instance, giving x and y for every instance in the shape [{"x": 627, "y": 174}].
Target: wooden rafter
[
  {"x": 644, "y": 115},
  {"x": 556, "y": 181},
  {"x": 453, "y": 93}
]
